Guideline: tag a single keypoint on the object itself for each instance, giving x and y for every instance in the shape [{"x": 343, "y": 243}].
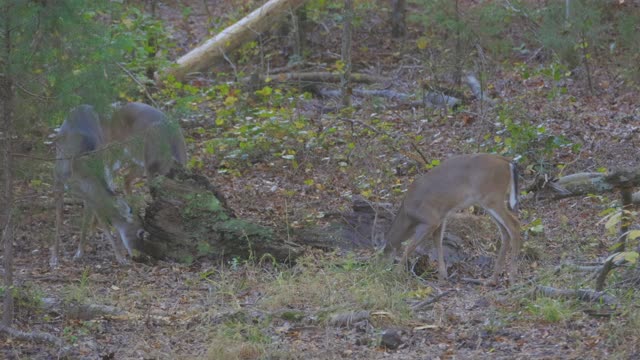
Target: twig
[
  {"x": 431, "y": 300},
  {"x": 380, "y": 132},
  {"x": 85, "y": 154},
  {"x": 28, "y": 92},
  {"x": 473, "y": 281},
  {"x": 135, "y": 79},
  {"x": 233, "y": 66}
]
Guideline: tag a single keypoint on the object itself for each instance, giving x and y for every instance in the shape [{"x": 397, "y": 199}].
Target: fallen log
[
  {"x": 431, "y": 99},
  {"x": 189, "y": 219},
  {"x": 585, "y": 183},
  {"x": 230, "y": 39},
  {"x": 307, "y": 78}
]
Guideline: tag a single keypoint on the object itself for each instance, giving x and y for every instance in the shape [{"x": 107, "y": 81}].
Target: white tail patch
[{"x": 513, "y": 193}]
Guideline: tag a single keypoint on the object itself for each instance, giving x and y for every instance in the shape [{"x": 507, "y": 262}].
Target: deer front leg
[
  {"x": 121, "y": 259},
  {"x": 59, "y": 200},
  {"x": 500, "y": 261}
]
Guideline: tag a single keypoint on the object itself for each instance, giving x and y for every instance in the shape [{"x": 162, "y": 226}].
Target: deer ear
[{"x": 140, "y": 234}]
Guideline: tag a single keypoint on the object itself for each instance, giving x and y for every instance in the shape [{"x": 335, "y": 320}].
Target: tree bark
[
  {"x": 6, "y": 111},
  {"x": 230, "y": 38},
  {"x": 398, "y": 16},
  {"x": 345, "y": 81}
]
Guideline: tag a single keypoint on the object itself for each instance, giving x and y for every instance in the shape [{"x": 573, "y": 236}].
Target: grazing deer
[
  {"x": 147, "y": 142},
  {"x": 79, "y": 164},
  {"x": 459, "y": 182}
]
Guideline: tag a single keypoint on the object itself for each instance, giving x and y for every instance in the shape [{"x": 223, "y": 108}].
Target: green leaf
[
  {"x": 537, "y": 229},
  {"x": 628, "y": 256},
  {"x": 613, "y": 222},
  {"x": 633, "y": 234}
]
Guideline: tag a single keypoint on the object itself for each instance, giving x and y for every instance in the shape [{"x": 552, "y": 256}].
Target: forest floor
[{"x": 339, "y": 305}]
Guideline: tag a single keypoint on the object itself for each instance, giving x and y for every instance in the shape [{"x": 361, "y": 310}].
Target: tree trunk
[
  {"x": 229, "y": 39},
  {"x": 398, "y": 16},
  {"x": 6, "y": 111},
  {"x": 188, "y": 219},
  {"x": 345, "y": 82}
]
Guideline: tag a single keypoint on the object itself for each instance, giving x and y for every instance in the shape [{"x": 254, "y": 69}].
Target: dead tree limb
[
  {"x": 230, "y": 38},
  {"x": 35, "y": 336},
  {"x": 307, "y": 78},
  {"x": 580, "y": 294},
  {"x": 432, "y": 99},
  {"x": 615, "y": 260},
  {"x": 477, "y": 90}
]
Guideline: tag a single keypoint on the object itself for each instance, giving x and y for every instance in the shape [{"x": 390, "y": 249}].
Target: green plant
[
  {"x": 143, "y": 40},
  {"x": 568, "y": 37},
  {"x": 270, "y": 129},
  {"x": 80, "y": 292},
  {"x": 523, "y": 139},
  {"x": 26, "y": 297},
  {"x": 550, "y": 310}
]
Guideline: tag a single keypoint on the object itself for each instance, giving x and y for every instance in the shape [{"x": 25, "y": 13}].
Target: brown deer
[
  {"x": 80, "y": 165},
  {"x": 146, "y": 142},
  {"x": 459, "y": 182}
]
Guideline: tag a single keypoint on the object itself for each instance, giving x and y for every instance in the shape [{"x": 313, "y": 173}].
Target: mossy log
[
  {"x": 188, "y": 219},
  {"x": 588, "y": 183}
]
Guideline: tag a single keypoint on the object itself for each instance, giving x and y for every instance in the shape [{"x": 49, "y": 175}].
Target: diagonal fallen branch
[{"x": 580, "y": 294}]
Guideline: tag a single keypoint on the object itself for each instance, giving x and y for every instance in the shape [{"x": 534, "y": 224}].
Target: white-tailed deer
[
  {"x": 151, "y": 144},
  {"x": 459, "y": 182},
  {"x": 80, "y": 165},
  {"x": 144, "y": 140}
]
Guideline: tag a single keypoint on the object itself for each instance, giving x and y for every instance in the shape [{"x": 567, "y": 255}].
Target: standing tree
[
  {"x": 345, "y": 80},
  {"x": 398, "y": 16},
  {"x": 6, "y": 112}
]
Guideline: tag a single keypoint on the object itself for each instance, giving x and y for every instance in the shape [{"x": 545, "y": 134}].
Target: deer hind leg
[
  {"x": 509, "y": 232},
  {"x": 87, "y": 217},
  {"x": 442, "y": 266},
  {"x": 516, "y": 245}
]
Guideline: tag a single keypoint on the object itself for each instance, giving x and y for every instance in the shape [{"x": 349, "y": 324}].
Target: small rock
[{"x": 391, "y": 339}]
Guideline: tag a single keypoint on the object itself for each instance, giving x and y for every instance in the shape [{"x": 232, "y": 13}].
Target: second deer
[
  {"x": 146, "y": 142},
  {"x": 80, "y": 165},
  {"x": 480, "y": 179}
]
